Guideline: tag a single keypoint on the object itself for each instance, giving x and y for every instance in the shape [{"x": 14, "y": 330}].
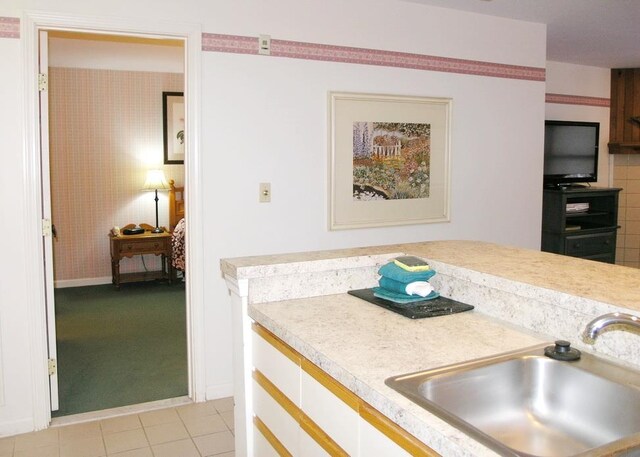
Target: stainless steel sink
[{"x": 525, "y": 404}]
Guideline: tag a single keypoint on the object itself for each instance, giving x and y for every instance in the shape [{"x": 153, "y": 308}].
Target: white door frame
[
  {"x": 48, "y": 234},
  {"x": 32, "y": 23}
]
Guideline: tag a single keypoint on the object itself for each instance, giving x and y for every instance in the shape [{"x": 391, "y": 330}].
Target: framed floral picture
[
  {"x": 389, "y": 160},
  {"x": 173, "y": 127}
]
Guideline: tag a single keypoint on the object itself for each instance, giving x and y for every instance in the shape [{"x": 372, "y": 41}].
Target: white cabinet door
[
  {"x": 262, "y": 447},
  {"x": 309, "y": 447},
  {"x": 374, "y": 442},
  {"x": 277, "y": 368},
  {"x": 284, "y": 427},
  {"x": 332, "y": 415},
  {"x": 309, "y": 414},
  {"x": 276, "y": 392}
]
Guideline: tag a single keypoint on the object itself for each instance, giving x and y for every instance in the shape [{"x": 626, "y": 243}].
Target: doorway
[
  {"x": 105, "y": 106},
  {"x": 34, "y": 23}
]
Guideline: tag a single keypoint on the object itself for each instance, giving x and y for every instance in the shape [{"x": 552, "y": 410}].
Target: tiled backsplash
[{"x": 626, "y": 175}]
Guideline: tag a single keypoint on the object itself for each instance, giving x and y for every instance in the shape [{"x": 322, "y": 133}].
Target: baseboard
[
  {"x": 82, "y": 282},
  {"x": 219, "y": 391},
  {"x": 16, "y": 427}
]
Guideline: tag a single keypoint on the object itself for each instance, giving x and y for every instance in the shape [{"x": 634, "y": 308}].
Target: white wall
[
  {"x": 583, "y": 81},
  {"x": 16, "y": 410},
  {"x": 115, "y": 55},
  {"x": 264, "y": 119}
]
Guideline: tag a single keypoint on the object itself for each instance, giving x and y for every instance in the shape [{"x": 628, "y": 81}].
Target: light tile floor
[{"x": 191, "y": 430}]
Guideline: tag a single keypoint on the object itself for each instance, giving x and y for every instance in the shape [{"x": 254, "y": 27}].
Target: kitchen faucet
[{"x": 597, "y": 326}]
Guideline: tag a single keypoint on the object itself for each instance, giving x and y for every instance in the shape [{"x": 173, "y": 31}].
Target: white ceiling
[{"x": 599, "y": 33}]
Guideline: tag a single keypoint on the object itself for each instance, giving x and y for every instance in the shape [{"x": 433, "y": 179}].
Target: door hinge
[
  {"x": 43, "y": 82},
  {"x": 53, "y": 367},
  {"x": 46, "y": 227}
]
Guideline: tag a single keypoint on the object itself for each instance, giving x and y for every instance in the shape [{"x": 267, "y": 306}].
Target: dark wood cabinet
[
  {"x": 624, "y": 131},
  {"x": 581, "y": 222}
]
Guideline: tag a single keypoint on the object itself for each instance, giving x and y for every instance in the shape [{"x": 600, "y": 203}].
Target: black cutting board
[{"x": 440, "y": 306}]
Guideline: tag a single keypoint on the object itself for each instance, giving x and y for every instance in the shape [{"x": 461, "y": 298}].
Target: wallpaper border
[
  {"x": 213, "y": 42},
  {"x": 236, "y": 44},
  {"x": 565, "y": 99},
  {"x": 9, "y": 27}
]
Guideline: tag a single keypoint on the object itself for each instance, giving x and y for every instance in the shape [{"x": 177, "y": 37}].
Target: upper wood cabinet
[{"x": 624, "y": 134}]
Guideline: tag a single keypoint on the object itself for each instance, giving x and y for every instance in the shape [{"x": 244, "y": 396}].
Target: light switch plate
[{"x": 264, "y": 45}]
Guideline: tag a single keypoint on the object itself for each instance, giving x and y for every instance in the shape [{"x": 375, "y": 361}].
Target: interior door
[{"x": 48, "y": 231}]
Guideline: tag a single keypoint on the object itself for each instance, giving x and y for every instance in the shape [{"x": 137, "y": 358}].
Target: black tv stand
[
  {"x": 589, "y": 231},
  {"x": 566, "y": 186}
]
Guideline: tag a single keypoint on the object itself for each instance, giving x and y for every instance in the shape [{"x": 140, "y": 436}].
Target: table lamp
[{"x": 156, "y": 181}]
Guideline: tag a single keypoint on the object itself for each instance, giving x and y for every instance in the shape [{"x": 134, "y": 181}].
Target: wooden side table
[{"x": 145, "y": 243}]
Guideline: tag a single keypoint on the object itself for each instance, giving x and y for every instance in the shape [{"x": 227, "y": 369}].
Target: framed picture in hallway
[
  {"x": 173, "y": 127},
  {"x": 388, "y": 160}
]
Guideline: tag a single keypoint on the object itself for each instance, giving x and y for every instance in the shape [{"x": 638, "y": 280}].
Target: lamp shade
[{"x": 156, "y": 181}]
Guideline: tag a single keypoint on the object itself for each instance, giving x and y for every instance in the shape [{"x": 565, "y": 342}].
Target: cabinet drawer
[
  {"x": 310, "y": 447},
  {"x": 277, "y": 366},
  {"x": 585, "y": 245},
  {"x": 336, "y": 418},
  {"x": 139, "y": 247},
  {"x": 280, "y": 422},
  {"x": 372, "y": 442},
  {"x": 261, "y": 444}
]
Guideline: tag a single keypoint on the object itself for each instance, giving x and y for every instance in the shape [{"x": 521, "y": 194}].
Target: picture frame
[
  {"x": 173, "y": 115},
  {"x": 389, "y": 160}
]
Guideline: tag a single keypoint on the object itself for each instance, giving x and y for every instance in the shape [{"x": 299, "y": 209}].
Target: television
[{"x": 570, "y": 153}]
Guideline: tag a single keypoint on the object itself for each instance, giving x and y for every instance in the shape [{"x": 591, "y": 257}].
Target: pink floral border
[
  {"x": 577, "y": 100},
  {"x": 332, "y": 53},
  {"x": 229, "y": 43},
  {"x": 9, "y": 27}
]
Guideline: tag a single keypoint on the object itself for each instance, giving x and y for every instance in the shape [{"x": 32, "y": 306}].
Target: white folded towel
[{"x": 421, "y": 288}]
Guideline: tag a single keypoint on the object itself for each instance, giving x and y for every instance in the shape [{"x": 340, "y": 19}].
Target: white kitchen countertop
[
  {"x": 612, "y": 284},
  {"x": 517, "y": 292},
  {"x": 360, "y": 345}
]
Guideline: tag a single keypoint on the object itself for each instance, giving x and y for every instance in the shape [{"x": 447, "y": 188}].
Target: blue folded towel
[
  {"x": 393, "y": 285},
  {"x": 419, "y": 288},
  {"x": 393, "y": 271},
  {"x": 401, "y": 298}
]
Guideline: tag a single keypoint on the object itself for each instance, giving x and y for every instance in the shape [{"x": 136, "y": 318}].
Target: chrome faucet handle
[{"x": 599, "y": 324}]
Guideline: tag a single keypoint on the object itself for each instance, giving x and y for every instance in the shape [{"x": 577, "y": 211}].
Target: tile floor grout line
[
  {"x": 188, "y": 432},
  {"x": 198, "y": 415}
]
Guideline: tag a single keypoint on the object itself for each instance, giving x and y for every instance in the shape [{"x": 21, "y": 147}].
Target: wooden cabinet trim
[
  {"x": 275, "y": 393},
  {"x": 348, "y": 398},
  {"x": 320, "y": 436},
  {"x": 398, "y": 435},
  {"x": 271, "y": 438},
  {"x": 304, "y": 421},
  {"x": 367, "y": 412},
  {"x": 277, "y": 343}
]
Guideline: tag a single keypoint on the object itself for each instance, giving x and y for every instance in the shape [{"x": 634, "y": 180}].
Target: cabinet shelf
[
  {"x": 587, "y": 234},
  {"x": 589, "y": 229},
  {"x": 586, "y": 214}
]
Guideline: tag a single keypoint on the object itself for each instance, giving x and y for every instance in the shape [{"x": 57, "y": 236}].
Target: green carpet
[{"x": 118, "y": 348}]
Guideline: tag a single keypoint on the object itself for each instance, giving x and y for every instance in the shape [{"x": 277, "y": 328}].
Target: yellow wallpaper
[{"x": 105, "y": 133}]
